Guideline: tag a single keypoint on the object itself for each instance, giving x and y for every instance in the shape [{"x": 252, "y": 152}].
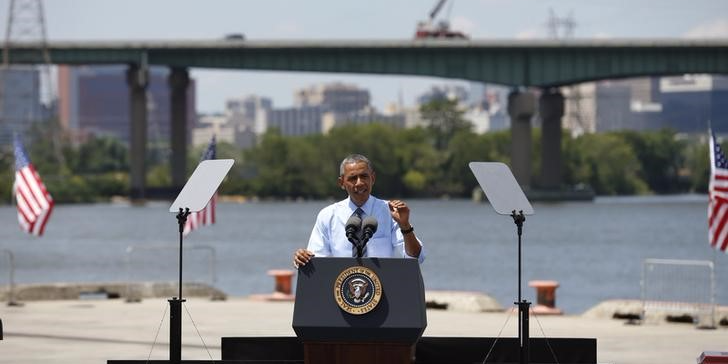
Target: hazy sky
[{"x": 364, "y": 19}]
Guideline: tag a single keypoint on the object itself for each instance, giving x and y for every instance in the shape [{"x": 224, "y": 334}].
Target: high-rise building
[
  {"x": 579, "y": 108},
  {"x": 343, "y": 102},
  {"x": 244, "y": 119},
  {"x": 685, "y": 103},
  {"x": 296, "y": 121},
  {"x": 367, "y": 115},
  {"x": 249, "y": 113},
  {"x": 691, "y": 103},
  {"x": 627, "y": 104},
  {"x": 336, "y": 97},
  {"x": 20, "y": 104},
  {"x": 94, "y": 100},
  {"x": 498, "y": 118}
]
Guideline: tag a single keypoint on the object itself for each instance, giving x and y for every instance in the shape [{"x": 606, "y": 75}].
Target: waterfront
[{"x": 594, "y": 249}]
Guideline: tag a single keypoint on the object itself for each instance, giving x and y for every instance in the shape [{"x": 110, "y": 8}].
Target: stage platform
[
  {"x": 429, "y": 350},
  {"x": 94, "y": 331}
]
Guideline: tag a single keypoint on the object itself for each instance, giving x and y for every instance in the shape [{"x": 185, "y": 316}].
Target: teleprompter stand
[
  {"x": 194, "y": 196},
  {"x": 507, "y": 197}
]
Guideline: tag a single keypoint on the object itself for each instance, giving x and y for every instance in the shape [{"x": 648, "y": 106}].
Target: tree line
[{"x": 429, "y": 161}]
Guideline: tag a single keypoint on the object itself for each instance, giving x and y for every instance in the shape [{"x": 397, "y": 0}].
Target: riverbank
[
  {"x": 95, "y": 330},
  {"x": 441, "y": 300}
]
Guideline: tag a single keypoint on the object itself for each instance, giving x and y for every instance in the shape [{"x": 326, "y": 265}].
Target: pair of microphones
[{"x": 359, "y": 232}]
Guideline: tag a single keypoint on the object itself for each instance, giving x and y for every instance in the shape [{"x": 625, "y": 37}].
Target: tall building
[
  {"x": 336, "y": 97},
  {"x": 244, "y": 119},
  {"x": 685, "y": 103},
  {"x": 20, "y": 104},
  {"x": 342, "y": 102},
  {"x": 498, "y": 118},
  {"x": 297, "y": 121},
  {"x": 691, "y": 102},
  {"x": 580, "y": 108},
  {"x": 94, "y": 100},
  {"x": 367, "y": 115},
  {"x": 212, "y": 125},
  {"x": 478, "y": 93},
  {"x": 249, "y": 113},
  {"x": 627, "y": 104}
]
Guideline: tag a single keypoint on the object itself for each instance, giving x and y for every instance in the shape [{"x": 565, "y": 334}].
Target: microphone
[
  {"x": 353, "y": 225},
  {"x": 370, "y": 227}
]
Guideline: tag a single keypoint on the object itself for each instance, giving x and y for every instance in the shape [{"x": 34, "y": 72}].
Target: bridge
[{"x": 520, "y": 64}]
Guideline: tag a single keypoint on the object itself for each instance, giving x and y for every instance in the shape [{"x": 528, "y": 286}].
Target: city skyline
[{"x": 280, "y": 19}]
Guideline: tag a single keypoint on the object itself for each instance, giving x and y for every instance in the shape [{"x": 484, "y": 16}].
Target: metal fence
[
  {"x": 11, "y": 275},
  {"x": 679, "y": 288}
]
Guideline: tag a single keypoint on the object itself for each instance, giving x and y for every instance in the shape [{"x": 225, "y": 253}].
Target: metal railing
[
  {"x": 173, "y": 251},
  {"x": 682, "y": 287},
  {"x": 11, "y": 276}
]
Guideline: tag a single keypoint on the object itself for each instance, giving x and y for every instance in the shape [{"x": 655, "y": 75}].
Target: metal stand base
[
  {"x": 175, "y": 330},
  {"x": 523, "y": 336}
]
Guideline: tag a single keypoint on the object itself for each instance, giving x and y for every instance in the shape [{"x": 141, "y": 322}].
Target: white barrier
[{"x": 679, "y": 287}]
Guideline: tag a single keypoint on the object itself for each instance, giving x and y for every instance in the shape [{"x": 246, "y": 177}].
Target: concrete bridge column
[
  {"x": 521, "y": 107},
  {"x": 551, "y": 109},
  {"x": 137, "y": 79},
  {"x": 179, "y": 79}
]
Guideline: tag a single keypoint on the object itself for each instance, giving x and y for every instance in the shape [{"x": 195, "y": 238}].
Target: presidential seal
[{"x": 357, "y": 290}]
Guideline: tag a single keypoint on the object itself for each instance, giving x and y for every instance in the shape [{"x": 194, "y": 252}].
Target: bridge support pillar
[
  {"x": 521, "y": 107},
  {"x": 178, "y": 81},
  {"x": 137, "y": 79},
  {"x": 551, "y": 109}
]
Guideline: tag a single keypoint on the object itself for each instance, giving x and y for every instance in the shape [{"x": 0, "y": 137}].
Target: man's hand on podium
[{"x": 301, "y": 257}]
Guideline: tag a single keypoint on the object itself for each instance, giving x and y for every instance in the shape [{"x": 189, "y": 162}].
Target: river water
[{"x": 594, "y": 249}]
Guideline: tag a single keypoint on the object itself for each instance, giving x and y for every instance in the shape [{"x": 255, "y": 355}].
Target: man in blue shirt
[{"x": 395, "y": 236}]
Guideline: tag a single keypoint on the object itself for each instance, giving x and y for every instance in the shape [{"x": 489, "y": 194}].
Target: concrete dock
[{"x": 93, "y": 331}]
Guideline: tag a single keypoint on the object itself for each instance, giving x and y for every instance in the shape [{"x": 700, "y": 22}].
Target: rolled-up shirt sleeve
[
  {"x": 398, "y": 242},
  {"x": 319, "y": 241}
]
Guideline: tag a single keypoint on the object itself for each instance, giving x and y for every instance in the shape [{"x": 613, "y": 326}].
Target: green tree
[
  {"x": 268, "y": 161},
  {"x": 610, "y": 165},
  {"x": 444, "y": 119},
  {"x": 661, "y": 156},
  {"x": 463, "y": 148},
  {"x": 379, "y": 143},
  {"x": 697, "y": 165},
  {"x": 7, "y": 174},
  {"x": 419, "y": 163},
  {"x": 101, "y": 155}
]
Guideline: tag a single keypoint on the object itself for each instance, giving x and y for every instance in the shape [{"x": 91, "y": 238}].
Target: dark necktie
[{"x": 359, "y": 213}]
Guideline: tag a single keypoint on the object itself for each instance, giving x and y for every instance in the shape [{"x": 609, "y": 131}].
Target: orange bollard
[
  {"x": 283, "y": 290},
  {"x": 545, "y": 297},
  {"x": 283, "y": 287},
  {"x": 283, "y": 278}
]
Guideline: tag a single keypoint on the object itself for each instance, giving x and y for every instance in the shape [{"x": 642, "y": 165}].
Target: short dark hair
[{"x": 354, "y": 158}]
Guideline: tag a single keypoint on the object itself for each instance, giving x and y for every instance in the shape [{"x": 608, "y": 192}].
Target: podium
[{"x": 334, "y": 330}]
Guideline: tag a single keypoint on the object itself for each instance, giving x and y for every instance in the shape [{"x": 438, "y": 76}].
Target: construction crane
[{"x": 428, "y": 29}]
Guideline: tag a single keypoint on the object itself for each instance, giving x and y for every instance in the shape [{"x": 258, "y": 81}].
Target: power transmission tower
[
  {"x": 561, "y": 28},
  {"x": 26, "y": 27}
]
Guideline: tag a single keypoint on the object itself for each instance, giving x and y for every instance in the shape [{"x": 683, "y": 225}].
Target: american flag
[
  {"x": 718, "y": 195},
  {"x": 33, "y": 201},
  {"x": 205, "y": 216}
]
